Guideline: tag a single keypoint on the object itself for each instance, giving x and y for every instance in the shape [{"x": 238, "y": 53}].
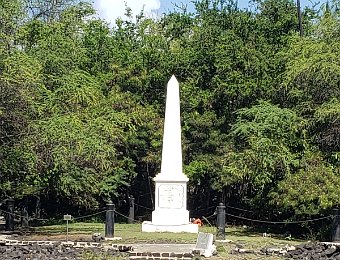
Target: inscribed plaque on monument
[{"x": 170, "y": 196}]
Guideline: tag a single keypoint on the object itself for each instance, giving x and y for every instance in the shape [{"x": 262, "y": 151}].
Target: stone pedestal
[
  {"x": 170, "y": 214},
  {"x": 170, "y": 201}
]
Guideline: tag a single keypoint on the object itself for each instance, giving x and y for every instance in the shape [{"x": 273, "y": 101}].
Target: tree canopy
[{"x": 82, "y": 105}]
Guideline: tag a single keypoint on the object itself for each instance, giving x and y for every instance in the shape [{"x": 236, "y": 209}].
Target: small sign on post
[{"x": 67, "y": 218}]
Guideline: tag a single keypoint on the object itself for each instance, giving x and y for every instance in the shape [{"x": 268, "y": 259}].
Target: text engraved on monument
[{"x": 170, "y": 196}]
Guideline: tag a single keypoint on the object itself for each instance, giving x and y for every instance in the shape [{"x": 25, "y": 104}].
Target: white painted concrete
[
  {"x": 148, "y": 226},
  {"x": 171, "y": 214},
  {"x": 171, "y": 167}
]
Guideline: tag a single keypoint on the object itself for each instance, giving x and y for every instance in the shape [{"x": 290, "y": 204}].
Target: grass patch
[{"x": 132, "y": 234}]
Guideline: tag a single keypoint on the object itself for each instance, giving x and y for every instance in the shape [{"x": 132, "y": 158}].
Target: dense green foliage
[{"x": 82, "y": 104}]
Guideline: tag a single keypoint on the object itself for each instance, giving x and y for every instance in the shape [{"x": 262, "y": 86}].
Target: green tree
[
  {"x": 312, "y": 190},
  {"x": 267, "y": 143},
  {"x": 20, "y": 83},
  {"x": 311, "y": 80},
  {"x": 76, "y": 129},
  {"x": 12, "y": 14},
  {"x": 48, "y": 10}
]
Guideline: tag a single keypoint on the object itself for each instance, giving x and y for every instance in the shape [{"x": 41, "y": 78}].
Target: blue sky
[{"x": 112, "y": 9}]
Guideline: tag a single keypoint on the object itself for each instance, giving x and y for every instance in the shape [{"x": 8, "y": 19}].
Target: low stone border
[
  {"x": 14, "y": 249},
  {"x": 54, "y": 251},
  {"x": 32, "y": 249},
  {"x": 11, "y": 242},
  {"x": 309, "y": 251},
  {"x": 315, "y": 251}
]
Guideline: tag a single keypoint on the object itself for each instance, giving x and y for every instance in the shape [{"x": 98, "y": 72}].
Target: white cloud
[{"x": 110, "y": 10}]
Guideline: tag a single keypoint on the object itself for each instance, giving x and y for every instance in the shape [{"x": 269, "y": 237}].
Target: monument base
[
  {"x": 172, "y": 217},
  {"x": 148, "y": 226}
]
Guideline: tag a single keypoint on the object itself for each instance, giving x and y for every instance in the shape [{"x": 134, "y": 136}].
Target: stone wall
[{"x": 16, "y": 249}]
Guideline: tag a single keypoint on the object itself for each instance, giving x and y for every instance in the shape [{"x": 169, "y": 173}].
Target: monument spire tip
[{"x": 173, "y": 78}]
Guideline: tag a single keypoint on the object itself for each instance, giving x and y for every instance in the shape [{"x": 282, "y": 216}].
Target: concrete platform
[
  {"x": 162, "y": 251},
  {"x": 161, "y": 248}
]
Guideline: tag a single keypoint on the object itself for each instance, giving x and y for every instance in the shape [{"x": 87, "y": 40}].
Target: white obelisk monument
[{"x": 171, "y": 214}]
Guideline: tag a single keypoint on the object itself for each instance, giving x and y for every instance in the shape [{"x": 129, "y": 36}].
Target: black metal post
[
  {"x": 24, "y": 216},
  {"x": 132, "y": 210},
  {"x": 110, "y": 220},
  {"x": 10, "y": 215},
  {"x": 220, "y": 222},
  {"x": 336, "y": 225},
  {"x": 37, "y": 207}
]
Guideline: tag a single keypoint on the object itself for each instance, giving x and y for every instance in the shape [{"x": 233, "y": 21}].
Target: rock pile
[
  {"x": 38, "y": 250},
  {"x": 316, "y": 251},
  {"x": 309, "y": 251},
  {"x": 54, "y": 251}
]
